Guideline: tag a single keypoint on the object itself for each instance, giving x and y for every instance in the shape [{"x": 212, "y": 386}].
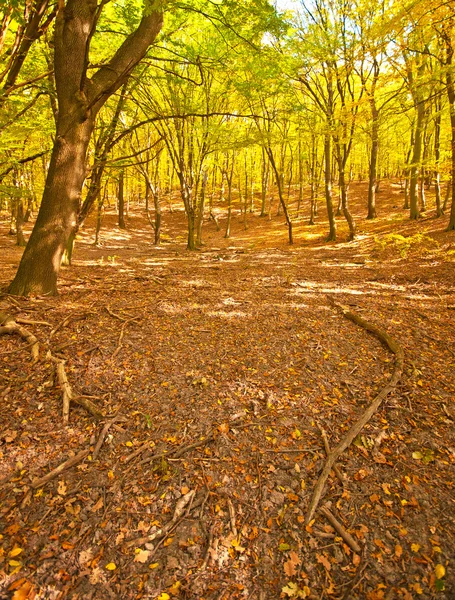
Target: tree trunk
[
  {"x": 57, "y": 217},
  {"x": 345, "y": 205},
  {"x": 20, "y": 239},
  {"x": 265, "y": 183},
  {"x": 121, "y": 200},
  {"x": 437, "y": 158},
  {"x": 328, "y": 187},
  {"x": 201, "y": 208},
  {"x": 279, "y": 183},
  {"x": 372, "y": 173}
]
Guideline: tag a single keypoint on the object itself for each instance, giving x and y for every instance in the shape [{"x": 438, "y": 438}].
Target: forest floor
[{"x": 217, "y": 372}]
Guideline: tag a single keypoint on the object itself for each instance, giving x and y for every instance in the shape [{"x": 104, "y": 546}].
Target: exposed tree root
[
  {"x": 354, "y": 431},
  {"x": 8, "y": 326}
]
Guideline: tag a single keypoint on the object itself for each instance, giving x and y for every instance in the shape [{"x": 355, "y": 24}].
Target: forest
[{"x": 227, "y": 246}]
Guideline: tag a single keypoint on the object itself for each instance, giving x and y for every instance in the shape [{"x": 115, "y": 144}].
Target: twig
[
  {"x": 74, "y": 460},
  {"x": 368, "y": 413},
  {"x": 347, "y": 537},
  {"x": 120, "y": 339},
  {"x": 208, "y": 552},
  {"x": 232, "y": 517}
]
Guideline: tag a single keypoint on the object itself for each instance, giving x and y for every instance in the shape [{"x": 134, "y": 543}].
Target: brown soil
[{"x": 237, "y": 349}]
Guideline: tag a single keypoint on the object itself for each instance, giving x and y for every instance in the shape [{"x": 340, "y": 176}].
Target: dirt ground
[{"x": 218, "y": 373}]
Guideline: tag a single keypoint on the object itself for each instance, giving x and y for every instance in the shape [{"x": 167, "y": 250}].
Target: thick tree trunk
[{"x": 57, "y": 217}]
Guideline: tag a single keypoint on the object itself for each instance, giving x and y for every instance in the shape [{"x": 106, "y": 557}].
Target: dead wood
[
  {"x": 180, "y": 509},
  {"x": 103, "y": 434},
  {"x": 354, "y": 431},
  {"x": 347, "y": 537},
  {"x": 9, "y": 326},
  {"x": 71, "y": 462}
]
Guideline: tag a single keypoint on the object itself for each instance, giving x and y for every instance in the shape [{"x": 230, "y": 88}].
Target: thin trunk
[
  {"x": 372, "y": 174},
  {"x": 280, "y": 194},
  {"x": 121, "y": 200},
  {"x": 201, "y": 208},
  {"x": 437, "y": 157},
  {"x": 328, "y": 187},
  {"x": 264, "y": 183}
]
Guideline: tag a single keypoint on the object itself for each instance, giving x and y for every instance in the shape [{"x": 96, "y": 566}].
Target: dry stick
[
  {"x": 347, "y": 537},
  {"x": 8, "y": 326},
  {"x": 74, "y": 460},
  {"x": 29, "y": 322},
  {"x": 327, "y": 451},
  {"x": 120, "y": 339},
  {"x": 370, "y": 411},
  {"x": 102, "y": 437}
]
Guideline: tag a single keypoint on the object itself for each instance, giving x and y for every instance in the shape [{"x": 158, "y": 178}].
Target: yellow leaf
[
  {"x": 398, "y": 550},
  {"x": 296, "y": 434},
  {"x": 154, "y": 565},
  {"x": 439, "y": 571},
  {"x": 415, "y": 547},
  {"x": 129, "y": 444},
  {"x": 15, "y": 552},
  {"x": 168, "y": 541},
  {"x": 111, "y": 566},
  {"x": 14, "y": 563},
  {"x": 185, "y": 489},
  {"x": 163, "y": 596}
]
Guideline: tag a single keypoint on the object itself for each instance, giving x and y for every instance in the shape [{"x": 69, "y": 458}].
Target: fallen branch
[
  {"x": 9, "y": 326},
  {"x": 327, "y": 451},
  {"x": 347, "y": 537},
  {"x": 354, "y": 431},
  {"x": 71, "y": 462},
  {"x": 103, "y": 434},
  {"x": 180, "y": 508}
]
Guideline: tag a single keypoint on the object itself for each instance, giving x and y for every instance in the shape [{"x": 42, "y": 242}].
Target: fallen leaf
[
  {"x": 17, "y": 551},
  {"x": 324, "y": 561},
  {"x": 439, "y": 571},
  {"x": 111, "y": 566},
  {"x": 141, "y": 555}
]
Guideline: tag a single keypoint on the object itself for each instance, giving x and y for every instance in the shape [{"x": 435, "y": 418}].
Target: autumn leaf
[
  {"x": 111, "y": 566},
  {"x": 141, "y": 555},
  {"x": 324, "y": 561},
  {"x": 290, "y": 566},
  {"x": 439, "y": 571},
  {"x": 15, "y": 552}
]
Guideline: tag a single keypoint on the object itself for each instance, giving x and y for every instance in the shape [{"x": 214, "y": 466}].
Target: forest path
[{"x": 236, "y": 349}]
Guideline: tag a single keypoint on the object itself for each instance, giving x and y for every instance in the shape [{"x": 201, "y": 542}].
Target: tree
[{"x": 79, "y": 100}]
